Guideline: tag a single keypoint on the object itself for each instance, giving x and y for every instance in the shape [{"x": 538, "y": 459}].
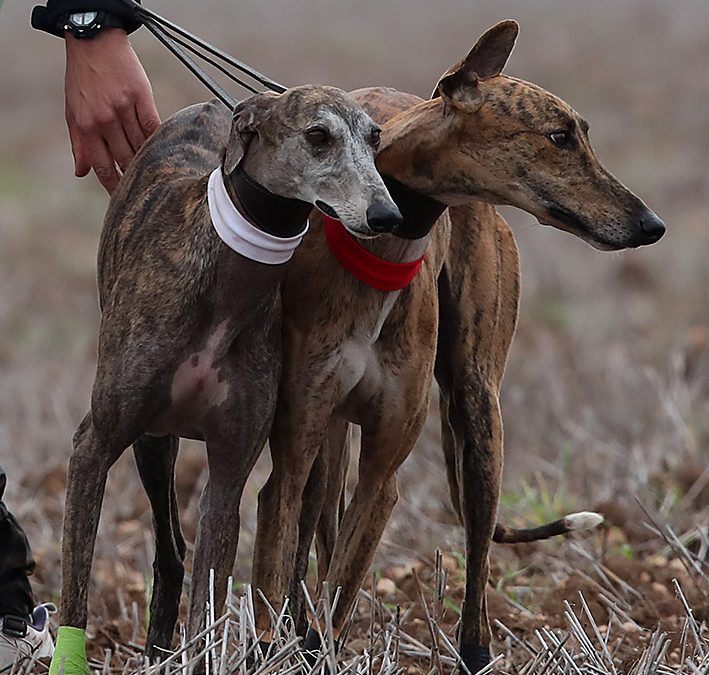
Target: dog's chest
[{"x": 358, "y": 363}]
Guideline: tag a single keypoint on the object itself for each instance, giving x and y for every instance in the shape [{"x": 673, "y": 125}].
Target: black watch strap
[{"x": 52, "y": 18}]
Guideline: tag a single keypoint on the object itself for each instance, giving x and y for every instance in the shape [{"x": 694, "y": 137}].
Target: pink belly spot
[{"x": 196, "y": 385}]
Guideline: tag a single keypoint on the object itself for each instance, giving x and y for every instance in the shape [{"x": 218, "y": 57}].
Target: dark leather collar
[
  {"x": 420, "y": 211},
  {"x": 276, "y": 215}
]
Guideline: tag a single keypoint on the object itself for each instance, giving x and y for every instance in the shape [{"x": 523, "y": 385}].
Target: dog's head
[
  {"x": 515, "y": 143},
  {"x": 314, "y": 144}
]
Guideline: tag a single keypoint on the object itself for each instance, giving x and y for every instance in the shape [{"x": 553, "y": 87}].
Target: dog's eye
[
  {"x": 376, "y": 137},
  {"x": 317, "y": 135},
  {"x": 559, "y": 138}
]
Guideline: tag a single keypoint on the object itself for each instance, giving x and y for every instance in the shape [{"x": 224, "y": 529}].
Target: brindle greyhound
[
  {"x": 365, "y": 356},
  {"x": 190, "y": 342}
]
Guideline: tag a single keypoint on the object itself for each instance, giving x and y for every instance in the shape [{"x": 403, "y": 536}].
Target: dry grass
[
  {"x": 607, "y": 394},
  {"x": 387, "y": 638}
]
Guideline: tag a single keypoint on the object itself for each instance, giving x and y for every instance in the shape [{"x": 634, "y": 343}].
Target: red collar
[{"x": 367, "y": 267}]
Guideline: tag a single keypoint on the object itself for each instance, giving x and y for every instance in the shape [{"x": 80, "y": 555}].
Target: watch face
[{"x": 83, "y": 18}]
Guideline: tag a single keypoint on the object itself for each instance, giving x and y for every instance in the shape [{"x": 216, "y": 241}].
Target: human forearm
[
  {"x": 110, "y": 109},
  {"x": 109, "y": 104}
]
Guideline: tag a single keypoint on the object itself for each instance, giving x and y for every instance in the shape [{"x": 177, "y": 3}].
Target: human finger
[
  {"x": 133, "y": 130},
  {"x": 103, "y": 165},
  {"x": 82, "y": 165},
  {"x": 147, "y": 113},
  {"x": 120, "y": 149}
]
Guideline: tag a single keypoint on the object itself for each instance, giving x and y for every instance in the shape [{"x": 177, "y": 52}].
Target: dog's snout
[
  {"x": 383, "y": 217},
  {"x": 652, "y": 227}
]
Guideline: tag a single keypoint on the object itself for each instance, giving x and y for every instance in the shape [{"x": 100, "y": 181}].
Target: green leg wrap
[{"x": 70, "y": 653}]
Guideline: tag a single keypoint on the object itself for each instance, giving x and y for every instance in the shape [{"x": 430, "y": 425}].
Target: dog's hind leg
[
  {"x": 94, "y": 453},
  {"x": 478, "y": 296},
  {"x": 479, "y": 470},
  {"x": 155, "y": 457},
  {"x": 91, "y": 459},
  {"x": 448, "y": 444}
]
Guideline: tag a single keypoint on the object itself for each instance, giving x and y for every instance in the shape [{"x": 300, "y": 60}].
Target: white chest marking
[{"x": 358, "y": 361}]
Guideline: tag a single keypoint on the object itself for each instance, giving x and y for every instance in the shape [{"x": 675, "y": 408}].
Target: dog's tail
[{"x": 574, "y": 522}]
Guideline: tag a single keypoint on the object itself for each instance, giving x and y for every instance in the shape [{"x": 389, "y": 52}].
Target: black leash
[{"x": 176, "y": 39}]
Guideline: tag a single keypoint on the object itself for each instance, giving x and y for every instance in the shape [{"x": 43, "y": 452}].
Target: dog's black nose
[
  {"x": 383, "y": 217},
  {"x": 652, "y": 227}
]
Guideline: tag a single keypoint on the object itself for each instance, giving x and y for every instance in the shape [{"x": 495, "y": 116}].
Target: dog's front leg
[
  {"x": 314, "y": 497},
  {"x": 334, "y": 506},
  {"x": 478, "y": 297},
  {"x": 299, "y": 432},
  {"x": 320, "y": 513},
  {"x": 383, "y": 449}
]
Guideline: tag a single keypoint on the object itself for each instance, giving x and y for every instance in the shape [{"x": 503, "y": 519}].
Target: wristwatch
[
  {"x": 84, "y": 18},
  {"x": 85, "y": 25}
]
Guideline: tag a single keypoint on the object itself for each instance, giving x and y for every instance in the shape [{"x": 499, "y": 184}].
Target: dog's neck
[
  {"x": 242, "y": 228},
  {"x": 418, "y": 149},
  {"x": 400, "y": 163},
  {"x": 271, "y": 213},
  {"x": 419, "y": 211},
  {"x": 407, "y": 141},
  {"x": 252, "y": 221}
]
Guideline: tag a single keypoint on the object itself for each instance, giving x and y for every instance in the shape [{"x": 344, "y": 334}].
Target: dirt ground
[
  {"x": 606, "y": 398},
  {"x": 632, "y": 599}
]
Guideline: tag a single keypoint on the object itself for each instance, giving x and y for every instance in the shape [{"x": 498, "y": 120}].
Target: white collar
[{"x": 242, "y": 236}]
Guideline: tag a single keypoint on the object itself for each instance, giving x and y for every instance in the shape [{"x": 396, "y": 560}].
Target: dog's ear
[
  {"x": 459, "y": 89},
  {"x": 486, "y": 59},
  {"x": 249, "y": 116},
  {"x": 490, "y": 53}
]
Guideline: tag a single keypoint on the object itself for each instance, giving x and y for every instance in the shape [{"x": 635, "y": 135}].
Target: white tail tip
[{"x": 584, "y": 520}]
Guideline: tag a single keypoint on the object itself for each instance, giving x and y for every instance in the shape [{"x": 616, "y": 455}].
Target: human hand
[{"x": 110, "y": 109}]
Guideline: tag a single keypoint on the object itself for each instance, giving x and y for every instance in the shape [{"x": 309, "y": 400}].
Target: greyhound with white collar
[{"x": 192, "y": 254}]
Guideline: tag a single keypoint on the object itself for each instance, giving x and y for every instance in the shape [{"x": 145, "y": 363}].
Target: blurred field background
[{"x": 607, "y": 391}]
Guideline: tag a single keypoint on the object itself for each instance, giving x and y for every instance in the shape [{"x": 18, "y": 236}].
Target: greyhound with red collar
[
  {"x": 364, "y": 353},
  {"x": 191, "y": 256}
]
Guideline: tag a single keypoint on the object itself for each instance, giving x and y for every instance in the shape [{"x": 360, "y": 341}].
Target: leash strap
[
  {"x": 176, "y": 39},
  {"x": 206, "y": 80},
  {"x": 370, "y": 269}
]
